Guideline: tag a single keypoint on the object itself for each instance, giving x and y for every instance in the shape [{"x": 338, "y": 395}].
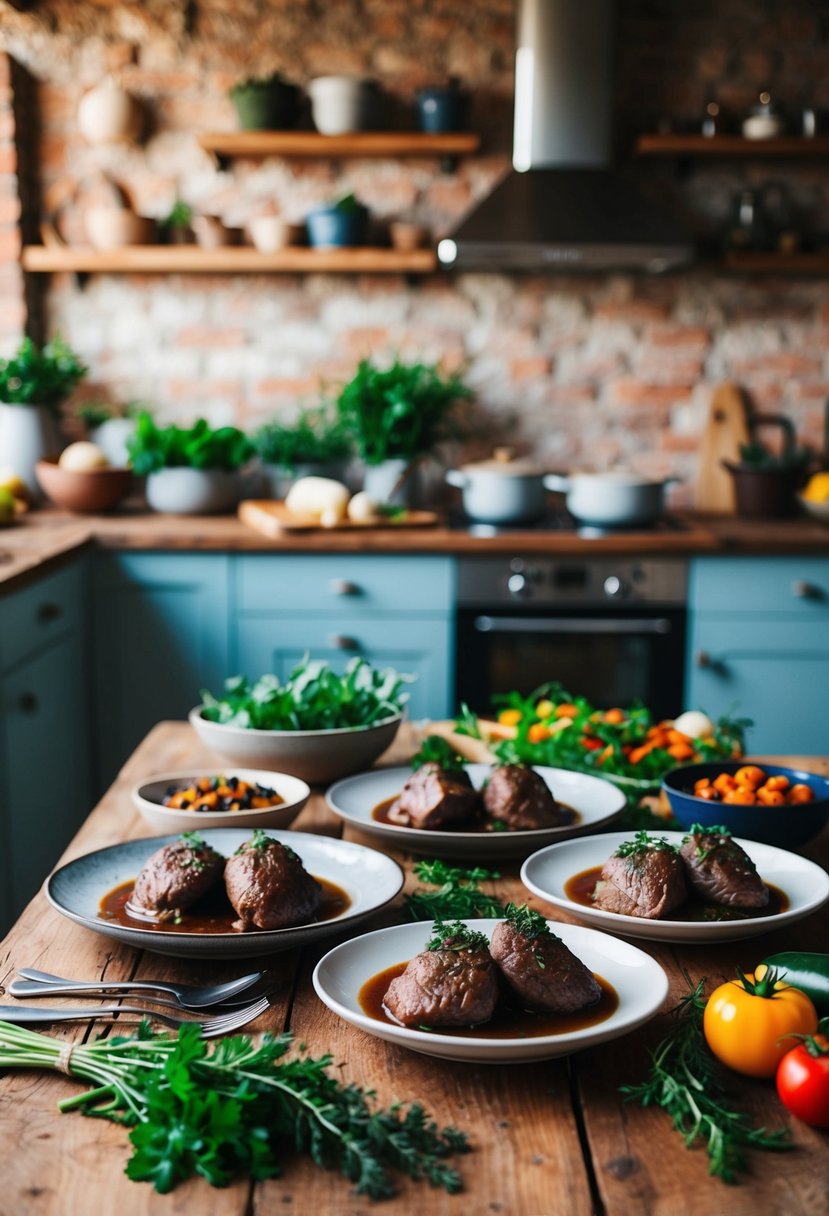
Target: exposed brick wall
[
  {"x": 19, "y": 300},
  {"x": 588, "y": 370}
]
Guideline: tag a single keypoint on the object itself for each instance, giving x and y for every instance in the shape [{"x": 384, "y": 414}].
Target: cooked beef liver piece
[
  {"x": 445, "y": 988},
  {"x": 435, "y": 798},
  {"x": 721, "y": 871},
  {"x": 176, "y": 876},
  {"x": 542, "y": 971},
  {"x": 269, "y": 887},
  {"x": 519, "y": 798},
  {"x": 648, "y": 882}
]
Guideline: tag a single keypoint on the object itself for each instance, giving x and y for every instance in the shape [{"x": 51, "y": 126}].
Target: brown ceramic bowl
[{"x": 85, "y": 493}]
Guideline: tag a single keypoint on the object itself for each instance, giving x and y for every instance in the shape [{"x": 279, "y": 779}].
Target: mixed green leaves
[
  {"x": 686, "y": 1081},
  {"x": 402, "y": 411},
  {"x": 40, "y": 376},
  {"x": 240, "y": 1107},
  {"x": 457, "y": 895},
  {"x": 436, "y": 750},
  {"x": 316, "y": 437},
  {"x": 314, "y": 697},
  {"x": 152, "y": 448}
]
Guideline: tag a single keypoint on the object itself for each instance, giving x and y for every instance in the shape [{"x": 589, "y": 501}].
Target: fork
[
  {"x": 223, "y": 1023},
  {"x": 41, "y": 983}
]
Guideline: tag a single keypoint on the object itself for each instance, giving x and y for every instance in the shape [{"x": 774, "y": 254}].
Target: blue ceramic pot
[
  {"x": 440, "y": 109},
  {"x": 332, "y": 228}
]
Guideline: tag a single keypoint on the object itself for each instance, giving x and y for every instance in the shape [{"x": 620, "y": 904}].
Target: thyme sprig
[
  {"x": 455, "y": 935},
  {"x": 458, "y": 895},
  {"x": 686, "y": 1081},
  {"x": 215, "y": 1111}
]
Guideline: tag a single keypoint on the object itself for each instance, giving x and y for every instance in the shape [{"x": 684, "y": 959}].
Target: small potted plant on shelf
[
  {"x": 397, "y": 415},
  {"x": 33, "y": 383},
  {"x": 765, "y": 481},
  {"x": 189, "y": 470},
  {"x": 338, "y": 225},
  {"x": 315, "y": 444},
  {"x": 265, "y": 104},
  {"x": 176, "y": 227}
]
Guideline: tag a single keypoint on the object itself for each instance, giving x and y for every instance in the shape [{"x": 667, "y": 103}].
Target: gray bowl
[{"x": 317, "y": 756}]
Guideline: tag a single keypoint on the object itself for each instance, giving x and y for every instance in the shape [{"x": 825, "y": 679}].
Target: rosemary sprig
[
  {"x": 458, "y": 896},
  {"x": 237, "y": 1106},
  {"x": 686, "y": 1081}
]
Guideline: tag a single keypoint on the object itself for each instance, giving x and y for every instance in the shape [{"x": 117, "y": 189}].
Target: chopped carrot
[
  {"x": 509, "y": 717},
  {"x": 538, "y": 732},
  {"x": 750, "y": 775},
  {"x": 777, "y": 783},
  {"x": 801, "y": 793},
  {"x": 681, "y": 751},
  {"x": 566, "y": 710},
  {"x": 614, "y": 716},
  {"x": 724, "y": 782},
  {"x": 639, "y": 753},
  {"x": 676, "y": 736},
  {"x": 769, "y": 797},
  {"x": 741, "y": 796},
  {"x": 704, "y": 783}
]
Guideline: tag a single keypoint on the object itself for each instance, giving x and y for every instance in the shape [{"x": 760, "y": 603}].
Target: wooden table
[{"x": 549, "y": 1139}]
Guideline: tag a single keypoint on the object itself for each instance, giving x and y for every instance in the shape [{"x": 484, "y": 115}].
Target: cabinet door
[
  {"x": 161, "y": 635},
  {"x": 414, "y": 645},
  {"x": 46, "y": 768},
  {"x": 773, "y": 671}
]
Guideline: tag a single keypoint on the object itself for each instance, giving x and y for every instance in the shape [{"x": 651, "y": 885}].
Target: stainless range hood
[{"x": 562, "y": 207}]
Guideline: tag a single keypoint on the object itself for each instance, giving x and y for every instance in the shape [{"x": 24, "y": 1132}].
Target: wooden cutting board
[
  {"x": 272, "y": 518},
  {"x": 726, "y": 429}
]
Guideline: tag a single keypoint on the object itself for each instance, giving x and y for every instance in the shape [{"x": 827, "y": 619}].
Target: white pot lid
[{"x": 504, "y": 462}]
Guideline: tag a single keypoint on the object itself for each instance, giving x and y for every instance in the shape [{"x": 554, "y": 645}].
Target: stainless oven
[{"x": 611, "y": 630}]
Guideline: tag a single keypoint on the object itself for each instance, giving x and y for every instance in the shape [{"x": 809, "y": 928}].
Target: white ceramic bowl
[
  {"x": 148, "y": 794},
  {"x": 317, "y": 756},
  {"x": 185, "y": 491},
  {"x": 818, "y": 510}
]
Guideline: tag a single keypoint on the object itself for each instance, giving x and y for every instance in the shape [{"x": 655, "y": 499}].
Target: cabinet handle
[
  {"x": 807, "y": 591},
  {"x": 48, "y": 612},
  {"x": 344, "y": 586},
  {"x": 341, "y": 641},
  {"x": 27, "y": 704}
]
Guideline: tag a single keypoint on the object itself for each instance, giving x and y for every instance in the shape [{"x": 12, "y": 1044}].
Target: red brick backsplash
[{"x": 586, "y": 370}]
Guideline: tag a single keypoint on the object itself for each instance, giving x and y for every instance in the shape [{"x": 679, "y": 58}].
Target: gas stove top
[{"x": 562, "y": 522}]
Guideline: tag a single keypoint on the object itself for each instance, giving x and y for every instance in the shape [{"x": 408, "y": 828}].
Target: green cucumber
[{"x": 808, "y": 972}]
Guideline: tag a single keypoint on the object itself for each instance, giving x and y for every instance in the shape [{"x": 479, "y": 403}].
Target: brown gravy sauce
[
  {"x": 212, "y": 914},
  {"x": 580, "y": 889},
  {"x": 380, "y": 813},
  {"x": 509, "y": 1022}
]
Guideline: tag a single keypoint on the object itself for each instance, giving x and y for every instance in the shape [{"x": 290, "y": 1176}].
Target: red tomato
[{"x": 803, "y": 1081}]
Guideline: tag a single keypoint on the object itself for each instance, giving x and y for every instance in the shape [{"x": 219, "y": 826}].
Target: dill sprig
[
  {"x": 686, "y": 1081},
  {"x": 217, "y": 1111},
  {"x": 458, "y": 896}
]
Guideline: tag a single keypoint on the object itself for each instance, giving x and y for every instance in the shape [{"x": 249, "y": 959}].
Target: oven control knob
[
  {"x": 614, "y": 587},
  {"x": 517, "y": 585}
]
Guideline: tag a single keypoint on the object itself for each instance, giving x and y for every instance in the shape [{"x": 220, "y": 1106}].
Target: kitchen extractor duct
[{"x": 563, "y": 207}]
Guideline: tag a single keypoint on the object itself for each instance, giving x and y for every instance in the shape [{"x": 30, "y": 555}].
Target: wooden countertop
[
  {"x": 549, "y": 1139},
  {"x": 44, "y": 536}
]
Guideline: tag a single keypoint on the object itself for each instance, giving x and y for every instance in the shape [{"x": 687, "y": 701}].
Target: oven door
[{"x": 610, "y": 657}]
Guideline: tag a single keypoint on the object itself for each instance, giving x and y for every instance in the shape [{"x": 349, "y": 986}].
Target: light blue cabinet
[
  {"x": 759, "y": 648},
  {"x": 44, "y": 729},
  {"x": 394, "y": 611},
  {"x": 161, "y": 631}
]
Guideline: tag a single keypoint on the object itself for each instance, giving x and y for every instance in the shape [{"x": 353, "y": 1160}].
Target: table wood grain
[{"x": 549, "y": 1139}]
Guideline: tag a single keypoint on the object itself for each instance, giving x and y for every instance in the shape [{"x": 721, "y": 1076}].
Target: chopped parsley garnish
[
  {"x": 457, "y": 896},
  {"x": 529, "y": 923},
  {"x": 641, "y": 841},
  {"x": 193, "y": 839},
  {"x": 436, "y": 750},
  {"x": 454, "y": 935}
]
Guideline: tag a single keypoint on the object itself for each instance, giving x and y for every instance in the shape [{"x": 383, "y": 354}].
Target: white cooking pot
[
  {"x": 501, "y": 490},
  {"x": 613, "y": 499}
]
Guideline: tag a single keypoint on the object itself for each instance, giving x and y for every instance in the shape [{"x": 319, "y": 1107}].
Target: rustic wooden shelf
[
  {"x": 358, "y": 143},
  {"x": 777, "y": 263},
  {"x": 813, "y": 148},
  {"x": 190, "y": 259}
]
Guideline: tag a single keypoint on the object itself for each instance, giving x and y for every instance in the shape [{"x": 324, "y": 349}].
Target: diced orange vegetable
[
  {"x": 614, "y": 716},
  {"x": 509, "y": 717},
  {"x": 538, "y": 732},
  {"x": 677, "y": 737},
  {"x": 767, "y": 797},
  {"x": 801, "y": 793},
  {"x": 639, "y": 753},
  {"x": 566, "y": 710},
  {"x": 750, "y": 775},
  {"x": 681, "y": 751},
  {"x": 724, "y": 782},
  {"x": 778, "y": 783},
  {"x": 704, "y": 783},
  {"x": 742, "y": 796},
  {"x": 709, "y": 794}
]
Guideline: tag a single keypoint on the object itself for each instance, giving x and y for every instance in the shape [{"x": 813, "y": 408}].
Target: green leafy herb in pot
[
  {"x": 314, "y": 697},
  {"x": 315, "y": 437},
  {"x": 152, "y": 448},
  {"x": 45, "y": 376},
  {"x": 238, "y": 1107}
]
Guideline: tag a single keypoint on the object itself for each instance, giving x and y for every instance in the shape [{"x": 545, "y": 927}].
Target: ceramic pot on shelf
[
  {"x": 394, "y": 482},
  {"x": 28, "y": 433},
  {"x": 108, "y": 114},
  {"x": 186, "y": 491},
  {"x": 341, "y": 104}
]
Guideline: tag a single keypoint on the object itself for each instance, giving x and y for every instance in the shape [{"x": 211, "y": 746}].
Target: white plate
[
  {"x": 368, "y": 878},
  {"x": 547, "y": 872},
  {"x": 640, "y": 984},
  {"x": 354, "y": 798}
]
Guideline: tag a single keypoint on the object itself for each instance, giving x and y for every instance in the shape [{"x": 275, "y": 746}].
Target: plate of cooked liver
[
  {"x": 475, "y": 810},
  {"x": 700, "y": 886}
]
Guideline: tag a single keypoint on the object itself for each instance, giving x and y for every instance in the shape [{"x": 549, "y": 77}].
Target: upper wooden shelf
[
  {"x": 756, "y": 262},
  {"x": 358, "y": 143},
  {"x": 190, "y": 259},
  {"x": 733, "y": 145}
]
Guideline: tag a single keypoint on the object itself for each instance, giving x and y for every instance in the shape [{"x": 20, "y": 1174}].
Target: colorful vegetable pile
[
  {"x": 553, "y": 727},
  {"x": 221, "y": 794},
  {"x": 750, "y": 786}
]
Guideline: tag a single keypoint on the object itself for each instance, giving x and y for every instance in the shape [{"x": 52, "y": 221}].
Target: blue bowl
[{"x": 787, "y": 827}]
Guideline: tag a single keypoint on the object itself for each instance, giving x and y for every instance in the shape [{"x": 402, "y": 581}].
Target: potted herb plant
[
  {"x": 315, "y": 444},
  {"x": 189, "y": 470},
  {"x": 176, "y": 228},
  {"x": 340, "y": 224},
  {"x": 766, "y": 482},
  {"x": 33, "y": 383},
  {"x": 265, "y": 104},
  {"x": 397, "y": 415}
]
